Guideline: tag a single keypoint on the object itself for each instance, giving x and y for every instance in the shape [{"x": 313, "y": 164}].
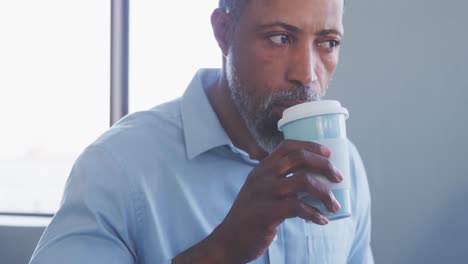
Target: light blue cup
[{"x": 323, "y": 122}]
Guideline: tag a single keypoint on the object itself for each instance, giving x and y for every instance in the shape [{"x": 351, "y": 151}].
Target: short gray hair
[{"x": 233, "y": 7}]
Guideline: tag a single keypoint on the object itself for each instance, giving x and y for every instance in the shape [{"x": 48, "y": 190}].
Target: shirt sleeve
[
  {"x": 96, "y": 220},
  {"x": 361, "y": 252}
]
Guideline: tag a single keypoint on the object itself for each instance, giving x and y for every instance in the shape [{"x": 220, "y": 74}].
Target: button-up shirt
[{"x": 159, "y": 181}]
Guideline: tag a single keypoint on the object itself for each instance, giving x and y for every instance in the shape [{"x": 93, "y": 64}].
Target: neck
[{"x": 219, "y": 96}]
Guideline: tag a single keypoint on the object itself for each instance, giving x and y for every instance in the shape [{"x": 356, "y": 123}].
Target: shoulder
[
  {"x": 141, "y": 133},
  {"x": 357, "y": 164},
  {"x": 358, "y": 173},
  {"x": 137, "y": 144},
  {"x": 165, "y": 118},
  {"x": 359, "y": 181}
]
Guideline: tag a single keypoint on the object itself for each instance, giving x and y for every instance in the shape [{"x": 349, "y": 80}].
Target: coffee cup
[{"x": 323, "y": 122}]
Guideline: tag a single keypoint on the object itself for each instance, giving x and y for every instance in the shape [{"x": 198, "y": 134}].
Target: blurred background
[{"x": 402, "y": 75}]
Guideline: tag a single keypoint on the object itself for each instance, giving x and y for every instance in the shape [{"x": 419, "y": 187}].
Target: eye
[
  {"x": 329, "y": 44},
  {"x": 280, "y": 39}
]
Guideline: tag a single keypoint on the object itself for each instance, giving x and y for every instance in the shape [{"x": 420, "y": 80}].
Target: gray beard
[{"x": 257, "y": 112}]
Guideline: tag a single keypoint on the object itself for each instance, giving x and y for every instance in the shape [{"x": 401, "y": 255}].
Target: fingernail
[
  {"x": 338, "y": 174},
  {"x": 337, "y": 206},
  {"x": 323, "y": 220},
  {"x": 325, "y": 151}
]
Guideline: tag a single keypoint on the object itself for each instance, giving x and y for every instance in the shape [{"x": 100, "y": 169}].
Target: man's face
[{"x": 284, "y": 52}]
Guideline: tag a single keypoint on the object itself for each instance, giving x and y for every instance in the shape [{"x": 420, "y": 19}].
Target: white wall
[{"x": 403, "y": 76}]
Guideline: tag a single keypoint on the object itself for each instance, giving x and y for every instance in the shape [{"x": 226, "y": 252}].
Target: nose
[{"x": 302, "y": 66}]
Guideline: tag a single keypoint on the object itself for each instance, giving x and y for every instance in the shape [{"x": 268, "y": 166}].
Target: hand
[{"x": 269, "y": 196}]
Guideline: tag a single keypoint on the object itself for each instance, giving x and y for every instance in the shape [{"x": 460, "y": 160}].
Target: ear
[{"x": 222, "y": 29}]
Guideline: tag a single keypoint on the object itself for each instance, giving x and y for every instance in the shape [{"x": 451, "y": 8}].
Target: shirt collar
[{"x": 202, "y": 129}]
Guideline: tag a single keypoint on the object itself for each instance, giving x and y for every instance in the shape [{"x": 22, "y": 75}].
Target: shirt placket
[{"x": 276, "y": 249}]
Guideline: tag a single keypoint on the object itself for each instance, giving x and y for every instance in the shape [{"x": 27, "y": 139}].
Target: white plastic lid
[{"x": 314, "y": 108}]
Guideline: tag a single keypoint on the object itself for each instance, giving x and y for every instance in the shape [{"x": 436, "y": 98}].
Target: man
[{"x": 202, "y": 179}]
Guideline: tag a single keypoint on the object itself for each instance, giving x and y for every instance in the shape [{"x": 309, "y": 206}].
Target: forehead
[{"x": 312, "y": 15}]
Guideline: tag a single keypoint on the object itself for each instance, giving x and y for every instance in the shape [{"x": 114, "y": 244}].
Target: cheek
[
  {"x": 261, "y": 67},
  {"x": 327, "y": 67},
  {"x": 332, "y": 62}
]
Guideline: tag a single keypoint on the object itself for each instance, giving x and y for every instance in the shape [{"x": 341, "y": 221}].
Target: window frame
[{"x": 119, "y": 58}]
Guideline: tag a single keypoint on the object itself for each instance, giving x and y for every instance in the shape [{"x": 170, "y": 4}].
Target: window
[
  {"x": 169, "y": 41},
  {"x": 54, "y": 95},
  {"x": 54, "y": 89}
]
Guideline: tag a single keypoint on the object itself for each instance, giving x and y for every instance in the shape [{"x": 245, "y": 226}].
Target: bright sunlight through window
[
  {"x": 169, "y": 41},
  {"x": 54, "y": 84},
  {"x": 54, "y": 90}
]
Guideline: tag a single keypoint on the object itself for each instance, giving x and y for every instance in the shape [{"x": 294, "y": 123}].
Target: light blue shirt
[{"x": 159, "y": 181}]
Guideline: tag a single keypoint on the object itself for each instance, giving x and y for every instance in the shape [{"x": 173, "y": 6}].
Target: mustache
[{"x": 296, "y": 93}]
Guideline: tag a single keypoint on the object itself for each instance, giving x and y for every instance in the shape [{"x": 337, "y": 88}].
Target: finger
[
  {"x": 303, "y": 159},
  {"x": 294, "y": 207},
  {"x": 303, "y": 182}
]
